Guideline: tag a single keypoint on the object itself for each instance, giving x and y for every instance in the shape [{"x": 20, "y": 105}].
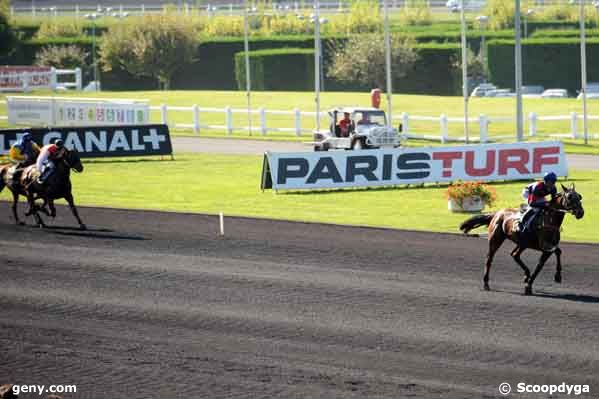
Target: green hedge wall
[
  {"x": 277, "y": 69},
  {"x": 552, "y": 63},
  {"x": 562, "y": 33}
]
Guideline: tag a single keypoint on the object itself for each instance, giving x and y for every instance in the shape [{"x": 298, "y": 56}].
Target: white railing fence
[{"x": 296, "y": 122}]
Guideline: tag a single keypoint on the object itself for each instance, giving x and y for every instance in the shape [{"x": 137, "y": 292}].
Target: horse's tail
[
  {"x": 2, "y": 182},
  {"x": 476, "y": 221}
]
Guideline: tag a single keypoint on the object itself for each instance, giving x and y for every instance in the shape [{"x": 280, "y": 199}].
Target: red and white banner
[
  {"x": 16, "y": 78},
  {"x": 369, "y": 168}
]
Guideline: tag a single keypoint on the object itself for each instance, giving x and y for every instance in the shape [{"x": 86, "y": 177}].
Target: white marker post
[{"x": 222, "y": 223}]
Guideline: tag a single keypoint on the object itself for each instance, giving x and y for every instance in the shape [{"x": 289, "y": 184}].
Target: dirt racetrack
[{"x": 156, "y": 305}]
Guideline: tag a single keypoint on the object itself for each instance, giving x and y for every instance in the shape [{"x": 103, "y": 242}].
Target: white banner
[
  {"x": 370, "y": 168},
  {"x": 60, "y": 111}
]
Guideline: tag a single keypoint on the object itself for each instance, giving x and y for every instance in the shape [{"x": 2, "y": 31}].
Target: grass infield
[{"x": 210, "y": 183}]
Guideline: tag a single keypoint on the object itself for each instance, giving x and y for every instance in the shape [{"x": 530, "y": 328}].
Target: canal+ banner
[
  {"x": 99, "y": 141},
  {"x": 388, "y": 167}
]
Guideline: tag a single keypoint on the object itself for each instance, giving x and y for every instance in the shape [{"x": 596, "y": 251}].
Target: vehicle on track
[{"x": 367, "y": 129}]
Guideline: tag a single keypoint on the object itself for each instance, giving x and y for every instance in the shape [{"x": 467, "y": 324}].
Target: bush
[
  {"x": 8, "y": 39},
  {"x": 362, "y": 59},
  {"x": 415, "y": 12},
  {"x": 49, "y": 30},
  {"x": 277, "y": 69},
  {"x": 157, "y": 48},
  {"x": 69, "y": 57},
  {"x": 460, "y": 191}
]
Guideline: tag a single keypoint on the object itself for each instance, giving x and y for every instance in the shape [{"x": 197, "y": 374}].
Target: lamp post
[
  {"x": 388, "y": 66},
  {"x": 246, "y": 47},
  {"x": 93, "y": 18},
  {"x": 317, "y": 61},
  {"x": 518, "y": 67},
  {"x": 482, "y": 22},
  {"x": 464, "y": 68},
  {"x": 528, "y": 14},
  {"x": 583, "y": 71}
]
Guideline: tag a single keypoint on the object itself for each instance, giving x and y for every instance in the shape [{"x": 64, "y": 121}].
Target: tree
[
  {"x": 68, "y": 57},
  {"x": 476, "y": 66},
  {"x": 362, "y": 59},
  {"x": 8, "y": 39},
  {"x": 157, "y": 47}
]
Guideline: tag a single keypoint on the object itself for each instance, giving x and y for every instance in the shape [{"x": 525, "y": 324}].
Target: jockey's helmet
[
  {"x": 59, "y": 143},
  {"x": 26, "y": 137},
  {"x": 550, "y": 177}
]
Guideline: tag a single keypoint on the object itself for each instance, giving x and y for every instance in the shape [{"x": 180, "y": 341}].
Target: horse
[
  {"x": 7, "y": 179},
  {"x": 56, "y": 186},
  {"x": 544, "y": 238}
]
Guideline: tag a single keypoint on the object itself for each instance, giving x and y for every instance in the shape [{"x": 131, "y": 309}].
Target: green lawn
[
  {"x": 213, "y": 183},
  {"x": 412, "y": 104}
]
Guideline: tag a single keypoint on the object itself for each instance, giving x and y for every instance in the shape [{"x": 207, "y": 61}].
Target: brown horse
[
  {"x": 544, "y": 236},
  {"x": 57, "y": 185}
]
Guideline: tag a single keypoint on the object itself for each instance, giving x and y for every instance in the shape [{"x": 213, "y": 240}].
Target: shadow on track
[
  {"x": 91, "y": 233},
  {"x": 551, "y": 295}
]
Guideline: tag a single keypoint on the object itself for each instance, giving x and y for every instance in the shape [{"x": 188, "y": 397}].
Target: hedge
[
  {"x": 561, "y": 33},
  {"x": 289, "y": 69},
  {"x": 551, "y": 63},
  {"x": 215, "y": 67}
]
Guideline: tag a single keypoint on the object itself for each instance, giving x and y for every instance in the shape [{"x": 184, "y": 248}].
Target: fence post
[
  {"x": 143, "y": 9},
  {"x": 443, "y": 122},
  {"x": 574, "y": 124},
  {"x": 405, "y": 123},
  {"x": 25, "y": 82},
  {"x": 78, "y": 79},
  {"x": 231, "y": 10},
  {"x": 229, "y": 119},
  {"x": 532, "y": 127},
  {"x": 484, "y": 127},
  {"x": 263, "y": 121},
  {"x": 53, "y": 79},
  {"x": 298, "y": 122},
  {"x": 163, "y": 114},
  {"x": 196, "y": 118}
]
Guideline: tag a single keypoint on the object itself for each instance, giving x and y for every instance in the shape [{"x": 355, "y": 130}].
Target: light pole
[
  {"x": 482, "y": 22},
  {"x": 529, "y": 13},
  {"x": 93, "y": 18},
  {"x": 317, "y": 61},
  {"x": 583, "y": 71},
  {"x": 246, "y": 47},
  {"x": 322, "y": 21},
  {"x": 388, "y": 66},
  {"x": 464, "y": 68},
  {"x": 518, "y": 67}
]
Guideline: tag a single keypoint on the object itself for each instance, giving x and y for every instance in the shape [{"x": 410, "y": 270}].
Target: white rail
[{"x": 299, "y": 122}]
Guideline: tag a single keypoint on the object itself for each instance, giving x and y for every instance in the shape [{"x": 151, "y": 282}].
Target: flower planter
[{"x": 469, "y": 204}]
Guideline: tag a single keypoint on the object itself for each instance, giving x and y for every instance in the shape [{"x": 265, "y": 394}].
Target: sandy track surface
[{"x": 150, "y": 304}]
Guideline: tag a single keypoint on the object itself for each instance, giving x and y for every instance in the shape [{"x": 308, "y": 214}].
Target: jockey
[
  {"x": 24, "y": 152},
  {"x": 537, "y": 192},
  {"x": 345, "y": 125},
  {"x": 48, "y": 154}
]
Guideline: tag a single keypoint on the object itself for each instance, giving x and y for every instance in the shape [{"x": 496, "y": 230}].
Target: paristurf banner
[
  {"x": 99, "y": 141},
  {"x": 387, "y": 167}
]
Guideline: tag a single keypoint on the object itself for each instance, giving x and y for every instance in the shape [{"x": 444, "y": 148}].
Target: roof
[{"x": 356, "y": 108}]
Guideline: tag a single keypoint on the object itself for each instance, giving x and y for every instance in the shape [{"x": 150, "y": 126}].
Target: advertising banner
[
  {"x": 388, "y": 167},
  {"x": 100, "y": 141}
]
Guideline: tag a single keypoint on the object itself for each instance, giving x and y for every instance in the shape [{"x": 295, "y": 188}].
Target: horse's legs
[
  {"x": 52, "y": 208},
  {"x": 558, "y": 269},
  {"x": 516, "y": 255},
  {"x": 33, "y": 210},
  {"x": 69, "y": 199},
  {"x": 544, "y": 256},
  {"x": 15, "y": 201},
  {"x": 495, "y": 240}
]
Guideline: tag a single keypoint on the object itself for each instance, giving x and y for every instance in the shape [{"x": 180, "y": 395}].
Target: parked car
[
  {"x": 367, "y": 129},
  {"x": 482, "y": 89},
  {"x": 555, "y": 93},
  {"x": 500, "y": 93},
  {"x": 532, "y": 91},
  {"x": 592, "y": 91}
]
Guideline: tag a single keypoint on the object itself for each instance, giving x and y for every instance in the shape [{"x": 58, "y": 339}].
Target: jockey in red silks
[
  {"x": 48, "y": 154},
  {"x": 537, "y": 192}
]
